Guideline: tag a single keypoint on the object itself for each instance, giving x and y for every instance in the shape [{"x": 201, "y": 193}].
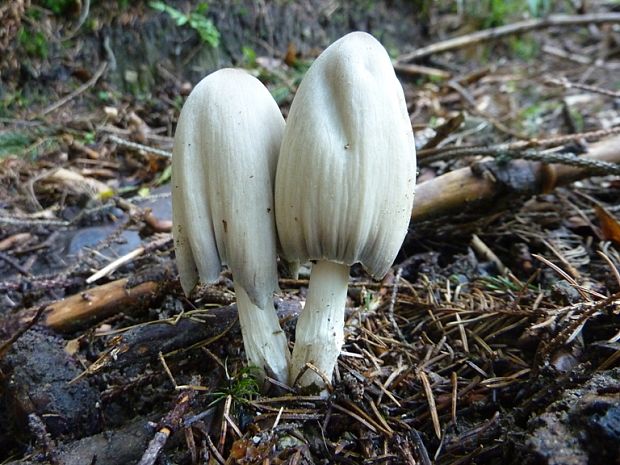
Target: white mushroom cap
[
  {"x": 346, "y": 172},
  {"x": 224, "y": 161}
]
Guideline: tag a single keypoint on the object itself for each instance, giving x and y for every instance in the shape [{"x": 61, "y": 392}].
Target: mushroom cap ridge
[{"x": 346, "y": 173}]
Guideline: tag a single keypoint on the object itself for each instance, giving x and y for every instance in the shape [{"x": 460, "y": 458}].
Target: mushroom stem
[
  {"x": 320, "y": 328},
  {"x": 265, "y": 342}
]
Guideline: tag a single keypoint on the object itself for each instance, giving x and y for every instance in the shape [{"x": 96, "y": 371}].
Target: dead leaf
[{"x": 610, "y": 227}]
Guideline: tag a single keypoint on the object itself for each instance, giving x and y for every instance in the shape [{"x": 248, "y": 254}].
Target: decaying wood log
[
  {"x": 143, "y": 343},
  {"x": 468, "y": 188}
]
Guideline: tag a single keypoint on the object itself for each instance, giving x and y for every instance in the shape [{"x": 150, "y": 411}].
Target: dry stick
[
  {"x": 423, "y": 70},
  {"x": 6, "y": 345},
  {"x": 420, "y": 447},
  {"x": 611, "y": 265},
  {"x": 487, "y": 254},
  {"x": 14, "y": 264},
  {"x": 580, "y": 59},
  {"x": 91, "y": 82},
  {"x": 460, "y": 188},
  {"x": 561, "y": 338},
  {"x": 98, "y": 303},
  {"x": 564, "y": 158},
  {"x": 127, "y": 258},
  {"x": 356, "y": 417},
  {"x": 467, "y": 150},
  {"x": 575, "y": 85},
  {"x": 454, "y": 397},
  {"x": 139, "y": 147},
  {"x": 444, "y": 131},
  {"x": 10, "y": 241},
  {"x": 473, "y": 107},
  {"x": 172, "y": 421},
  {"x": 509, "y": 29}
]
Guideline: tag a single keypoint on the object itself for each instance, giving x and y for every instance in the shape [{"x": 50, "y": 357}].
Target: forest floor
[{"x": 495, "y": 339}]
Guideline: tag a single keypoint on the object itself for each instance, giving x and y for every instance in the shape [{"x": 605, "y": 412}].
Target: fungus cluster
[{"x": 341, "y": 189}]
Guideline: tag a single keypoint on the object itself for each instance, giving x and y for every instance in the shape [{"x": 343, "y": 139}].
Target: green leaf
[
  {"x": 165, "y": 176},
  {"x": 205, "y": 28},
  {"x": 196, "y": 20},
  {"x": 249, "y": 55},
  {"x": 177, "y": 16}
]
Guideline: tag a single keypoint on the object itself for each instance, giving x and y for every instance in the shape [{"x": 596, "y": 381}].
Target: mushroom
[
  {"x": 223, "y": 167},
  {"x": 344, "y": 187}
]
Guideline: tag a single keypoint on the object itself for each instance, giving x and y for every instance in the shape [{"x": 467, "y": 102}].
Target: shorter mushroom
[
  {"x": 344, "y": 187},
  {"x": 224, "y": 160}
]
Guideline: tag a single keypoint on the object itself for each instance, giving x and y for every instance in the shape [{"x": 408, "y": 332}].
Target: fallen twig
[
  {"x": 580, "y": 59},
  {"x": 6, "y": 345},
  {"x": 420, "y": 448},
  {"x": 509, "y": 29},
  {"x": 101, "y": 302},
  {"x": 114, "y": 265},
  {"x": 91, "y": 82},
  {"x": 473, "y": 107},
  {"x": 590, "y": 309},
  {"x": 411, "y": 69},
  {"x": 471, "y": 150},
  {"x": 169, "y": 424},
  {"x": 14, "y": 264},
  {"x": 576, "y": 85},
  {"x": 139, "y": 147}
]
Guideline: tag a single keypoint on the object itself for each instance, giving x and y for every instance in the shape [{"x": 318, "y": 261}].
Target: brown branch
[
  {"x": 415, "y": 70},
  {"x": 563, "y": 82},
  {"x": 169, "y": 424},
  {"x": 462, "y": 188},
  {"x": 6, "y": 345},
  {"x": 538, "y": 143},
  {"x": 509, "y": 29},
  {"x": 100, "y": 302},
  {"x": 545, "y": 348},
  {"x": 84, "y": 87}
]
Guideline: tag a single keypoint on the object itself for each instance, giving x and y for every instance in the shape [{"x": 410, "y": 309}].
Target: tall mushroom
[
  {"x": 344, "y": 186},
  {"x": 224, "y": 160}
]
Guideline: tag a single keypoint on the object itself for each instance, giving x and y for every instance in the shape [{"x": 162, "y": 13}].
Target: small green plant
[
  {"x": 242, "y": 387},
  {"x": 196, "y": 19},
  {"x": 249, "y": 56},
  {"x": 88, "y": 137},
  {"x": 490, "y": 13},
  {"x": 577, "y": 118},
  {"x": 525, "y": 48},
  {"x": 532, "y": 117},
  {"x": 493, "y": 13},
  {"x": 33, "y": 43},
  {"x": 58, "y": 7}
]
